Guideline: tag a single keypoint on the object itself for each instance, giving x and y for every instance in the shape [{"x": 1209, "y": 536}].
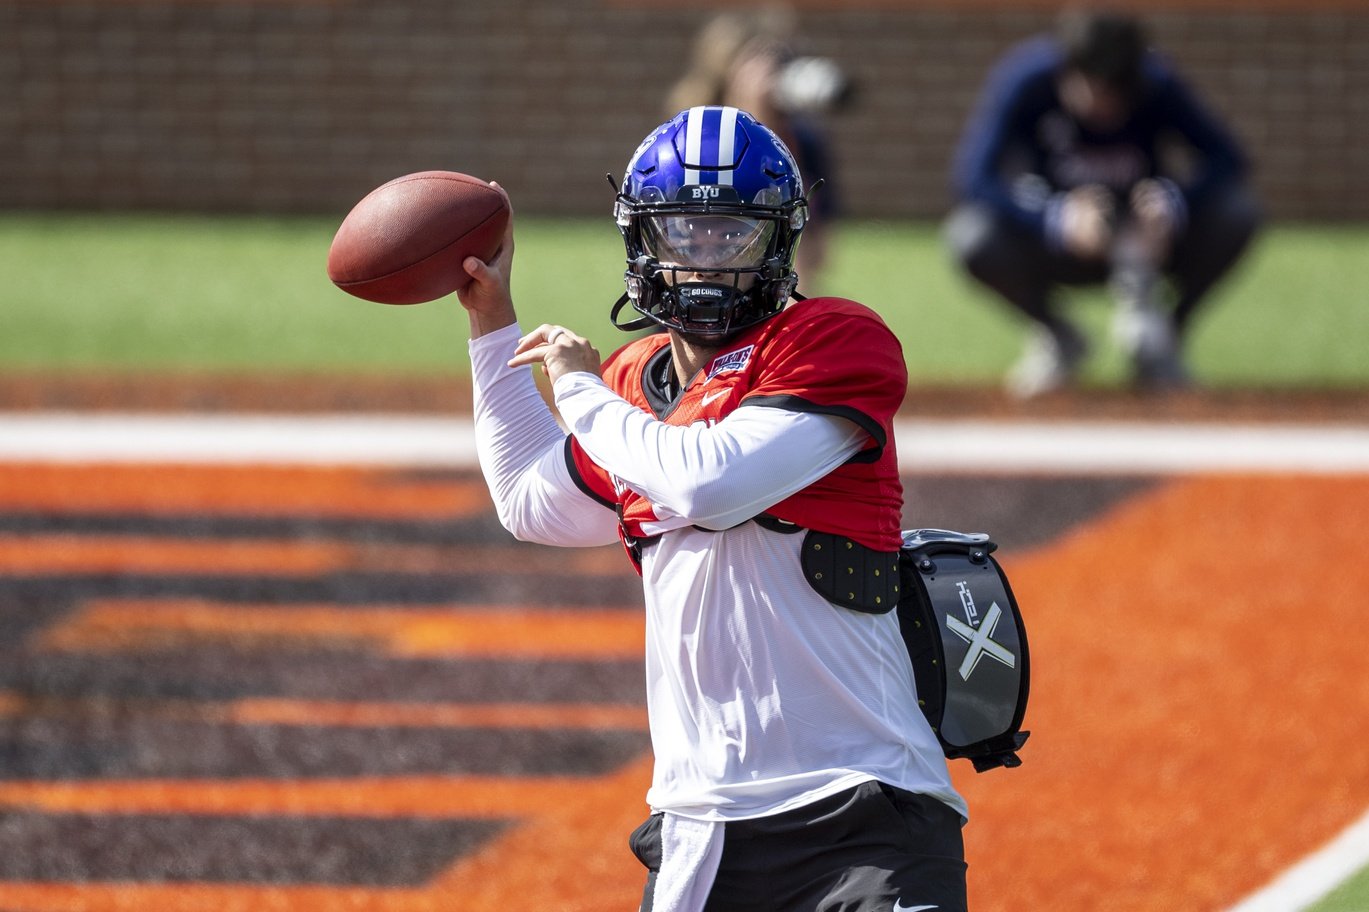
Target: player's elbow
[
  {"x": 708, "y": 501},
  {"x": 524, "y": 530},
  {"x": 513, "y": 521},
  {"x": 516, "y": 516},
  {"x": 564, "y": 523}
]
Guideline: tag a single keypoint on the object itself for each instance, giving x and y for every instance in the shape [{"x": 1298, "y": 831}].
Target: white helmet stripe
[
  {"x": 694, "y": 137},
  {"x": 727, "y": 143}
]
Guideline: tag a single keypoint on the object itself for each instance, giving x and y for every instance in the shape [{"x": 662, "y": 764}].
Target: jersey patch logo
[
  {"x": 731, "y": 361},
  {"x": 704, "y": 401}
]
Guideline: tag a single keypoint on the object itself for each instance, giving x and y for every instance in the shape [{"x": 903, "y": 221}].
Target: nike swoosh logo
[
  {"x": 900, "y": 907},
  {"x": 711, "y": 396}
]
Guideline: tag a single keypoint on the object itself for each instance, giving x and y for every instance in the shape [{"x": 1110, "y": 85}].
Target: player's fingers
[
  {"x": 508, "y": 201},
  {"x": 476, "y": 269},
  {"x": 503, "y": 257},
  {"x": 535, "y": 336},
  {"x": 531, "y": 349},
  {"x": 531, "y": 356},
  {"x": 564, "y": 338},
  {"x": 494, "y": 271},
  {"x": 540, "y": 337}
]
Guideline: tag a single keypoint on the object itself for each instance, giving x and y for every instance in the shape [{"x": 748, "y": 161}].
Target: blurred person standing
[
  {"x": 749, "y": 60},
  {"x": 1064, "y": 178}
]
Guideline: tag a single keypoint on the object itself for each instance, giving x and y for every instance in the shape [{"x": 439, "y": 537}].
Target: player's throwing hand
[{"x": 487, "y": 298}]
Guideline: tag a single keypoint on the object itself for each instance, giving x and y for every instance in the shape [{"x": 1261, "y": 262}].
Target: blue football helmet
[{"x": 710, "y": 210}]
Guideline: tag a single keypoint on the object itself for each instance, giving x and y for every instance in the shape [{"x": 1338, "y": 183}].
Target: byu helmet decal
[{"x": 711, "y": 210}]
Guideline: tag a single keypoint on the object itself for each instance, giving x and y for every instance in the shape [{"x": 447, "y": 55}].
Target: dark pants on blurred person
[{"x": 1020, "y": 267}]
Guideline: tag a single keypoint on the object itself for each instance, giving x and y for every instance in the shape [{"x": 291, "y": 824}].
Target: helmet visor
[{"x": 708, "y": 242}]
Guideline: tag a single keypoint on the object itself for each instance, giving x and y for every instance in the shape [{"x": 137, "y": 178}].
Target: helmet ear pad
[{"x": 711, "y": 161}]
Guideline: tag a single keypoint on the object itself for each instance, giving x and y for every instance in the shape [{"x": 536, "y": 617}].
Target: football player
[{"x": 745, "y": 458}]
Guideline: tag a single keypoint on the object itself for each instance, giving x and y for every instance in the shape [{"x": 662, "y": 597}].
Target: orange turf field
[{"x": 341, "y": 689}]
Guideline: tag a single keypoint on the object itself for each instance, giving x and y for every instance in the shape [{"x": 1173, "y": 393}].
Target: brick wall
[{"x": 303, "y": 105}]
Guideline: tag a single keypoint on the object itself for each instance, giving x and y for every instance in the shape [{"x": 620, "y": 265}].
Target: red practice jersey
[{"x": 829, "y": 356}]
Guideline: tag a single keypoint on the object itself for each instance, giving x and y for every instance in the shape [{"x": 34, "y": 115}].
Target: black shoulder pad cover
[{"x": 968, "y": 645}]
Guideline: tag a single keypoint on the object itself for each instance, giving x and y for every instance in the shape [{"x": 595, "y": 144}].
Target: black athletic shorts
[{"x": 873, "y": 848}]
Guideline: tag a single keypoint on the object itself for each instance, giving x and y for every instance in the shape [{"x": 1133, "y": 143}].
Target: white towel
[{"x": 690, "y": 852}]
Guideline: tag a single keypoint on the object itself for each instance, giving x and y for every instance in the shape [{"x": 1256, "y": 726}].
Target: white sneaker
[{"x": 1049, "y": 362}]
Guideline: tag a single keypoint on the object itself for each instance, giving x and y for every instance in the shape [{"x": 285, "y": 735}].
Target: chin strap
[
  {"x": 639, "y": 323},
  {"x": 645, "y": 322}
]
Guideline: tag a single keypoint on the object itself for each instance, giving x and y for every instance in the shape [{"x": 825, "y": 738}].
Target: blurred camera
[{"x": 812, "y": 85}]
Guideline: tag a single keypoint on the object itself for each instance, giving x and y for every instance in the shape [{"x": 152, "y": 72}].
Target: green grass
[
  {"x": 1351, "y": 896},
  {"x": 164, "y": 292}
]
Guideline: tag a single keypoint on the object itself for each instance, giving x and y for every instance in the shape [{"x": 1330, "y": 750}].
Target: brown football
[{"x": 405, "y": 242}]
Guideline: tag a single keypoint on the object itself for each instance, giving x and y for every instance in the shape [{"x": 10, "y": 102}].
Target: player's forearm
[{"x": 713, "y": 476}]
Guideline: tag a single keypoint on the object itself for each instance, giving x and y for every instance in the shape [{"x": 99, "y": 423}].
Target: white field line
[
  {"x": 924, "y": 445},
  {"x": 1311, "y": 879},
  {"x": 1140, "y": 447},
  {"x": 237, "y": 439}
]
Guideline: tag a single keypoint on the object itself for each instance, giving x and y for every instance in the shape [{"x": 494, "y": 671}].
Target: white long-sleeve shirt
[{"x": 762, "y": 695}]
